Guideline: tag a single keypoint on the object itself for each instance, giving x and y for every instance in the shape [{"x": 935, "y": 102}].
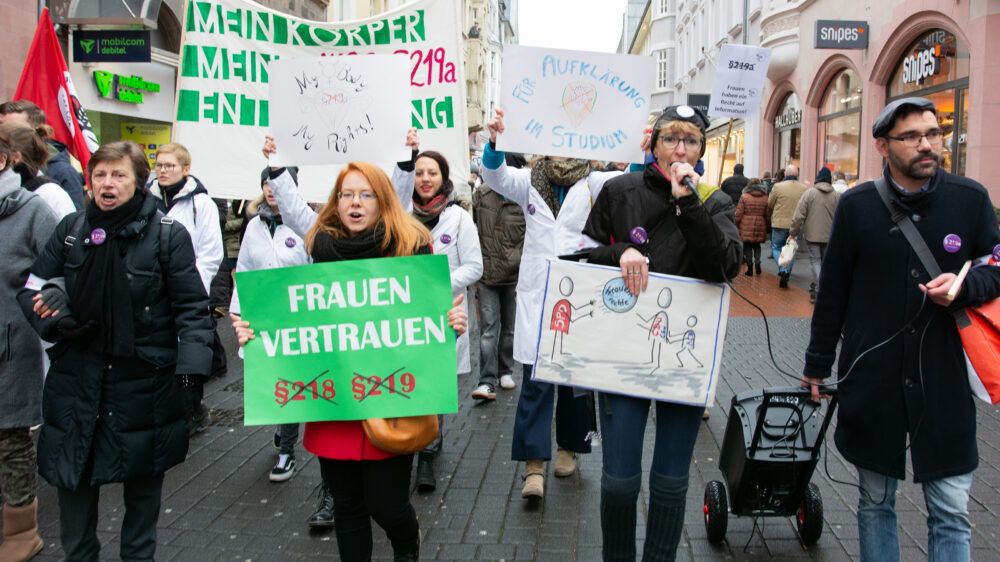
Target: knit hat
[
  {"x": 265, "y": 174},
  {"x": 681, "y": 113},
  {"x": 823, "y": 175}
]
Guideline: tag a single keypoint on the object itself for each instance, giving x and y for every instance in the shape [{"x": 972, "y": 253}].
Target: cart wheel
[
  {"x": 809, "y": 516},
  {"x": 716, "y": 511}
]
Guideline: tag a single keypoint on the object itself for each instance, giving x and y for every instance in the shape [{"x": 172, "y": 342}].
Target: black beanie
[
  {"x": 265, "y": 174},
  {"x": 823, "y": 175}
]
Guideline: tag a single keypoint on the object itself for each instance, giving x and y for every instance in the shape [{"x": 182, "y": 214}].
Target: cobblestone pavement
[{"x": 219, "y": 505}]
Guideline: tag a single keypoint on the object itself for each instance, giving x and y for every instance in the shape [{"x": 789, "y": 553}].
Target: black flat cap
[{"x": 887, "y": 118}]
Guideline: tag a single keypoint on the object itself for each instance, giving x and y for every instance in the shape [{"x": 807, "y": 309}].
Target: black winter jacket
[
  {"x": 914, "y": 384},
  {"x": 126, "y": 414},
  {"x": 733, "y": 186},
  {"x": 693, "y": 239},
  {"x": 501, "y": 226}
]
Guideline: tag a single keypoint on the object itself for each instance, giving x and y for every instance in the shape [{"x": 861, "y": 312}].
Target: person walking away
[
  {"x": 698, "y": 238},
  {"x": 130, "y": 328},
  {"x": 753, "y": 222},
  {"x": 767, "y": 182},
  {"x": 26, "y": 224},
  {"x": 500, "y": 222},
  {"x": 362, "y": 219},
  {"x": 183, "y": 198},
  {"x": 813, "y": 218},
  {"x": 556, "y": 195},
  {"x": 912, "y": 394},
  {"x": 734, "y": 184},
  {"x": 840, "y": 181},
  {"x": 781, "y": 203}
]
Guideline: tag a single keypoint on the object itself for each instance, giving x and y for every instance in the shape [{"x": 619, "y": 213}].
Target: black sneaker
[
  {"x": 284, "y": 469},
  {"x": 198, "y": 423},
  {"x": 323, "y": 517},
  {"x": 426, "y": 482}
]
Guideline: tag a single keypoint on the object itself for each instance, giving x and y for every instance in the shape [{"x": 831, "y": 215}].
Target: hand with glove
[
  {"x": 70, "y": 329},
  {"x": 191, "y": 381},
  {"x": 50, "y": 301}
]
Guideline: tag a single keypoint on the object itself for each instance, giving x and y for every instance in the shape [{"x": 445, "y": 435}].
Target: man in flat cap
[{"x": 902, "y": 377}]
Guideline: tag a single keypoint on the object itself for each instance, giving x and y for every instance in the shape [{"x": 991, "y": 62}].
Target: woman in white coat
[
  {"x": 455, "y": 235},
  {"x": 556, "y": 195},
  {"x": 29, "y": 156}
]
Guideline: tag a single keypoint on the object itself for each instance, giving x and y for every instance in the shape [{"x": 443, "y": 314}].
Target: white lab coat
[
  {"x": 465, "y": 258},
  {"x": 545, "y": 236},
  {"x": 260, "y": 250}
]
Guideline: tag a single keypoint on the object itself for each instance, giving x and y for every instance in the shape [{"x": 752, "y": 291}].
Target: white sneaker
[
  {"x": 284, "y": 469},
  {"x": 507, "y": 382},
  {"x": 484, "y": 392}
]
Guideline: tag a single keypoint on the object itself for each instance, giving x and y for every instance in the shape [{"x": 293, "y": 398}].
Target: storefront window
[
  {"x": 788, "y": 133},
  {"x": 936, "y": 67},
  {"x": 839, "y": 125}
]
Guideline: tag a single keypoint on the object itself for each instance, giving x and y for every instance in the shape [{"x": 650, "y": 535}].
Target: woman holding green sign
[{"x": 362, "y": 219}]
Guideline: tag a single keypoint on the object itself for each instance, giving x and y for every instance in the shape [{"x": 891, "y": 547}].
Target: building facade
[{"x": 820, "y": 103}]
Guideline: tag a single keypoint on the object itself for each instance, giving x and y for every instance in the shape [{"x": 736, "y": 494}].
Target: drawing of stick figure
[
  {"x": 657, "y": 327},
  {"x": 687, "y": 342},
  {"x": 562, "y": 316}
]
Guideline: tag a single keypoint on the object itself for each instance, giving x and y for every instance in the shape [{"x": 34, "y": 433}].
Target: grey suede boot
[
  {"x": 667, "y": 496},
  {"x": 618, "y": 499}
]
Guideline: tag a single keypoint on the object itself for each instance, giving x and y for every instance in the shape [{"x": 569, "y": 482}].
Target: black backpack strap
[
  {"x": 75, "y": 232},
  {"x": 908, "y": 229},
  {"x": 166, "y": 223}
]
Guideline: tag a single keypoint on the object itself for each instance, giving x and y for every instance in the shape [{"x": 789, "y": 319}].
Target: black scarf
[
  {"x": 367, "y": 244},
  {"x": 549, "y": 175},
  {"x": 171, "y": 191},
  {"x": 102, "y": 293}
]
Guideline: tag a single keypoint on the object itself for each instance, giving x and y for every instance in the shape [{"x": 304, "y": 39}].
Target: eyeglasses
[
  {"x": 165, "y": 167},
  {"x": 912, "y": 140},
  {"x": 365, "y": 196},
  {"x": 670, "y": 142}
]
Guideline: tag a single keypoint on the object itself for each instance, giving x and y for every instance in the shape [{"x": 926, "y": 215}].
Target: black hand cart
[{"x": 770, "y": 449}]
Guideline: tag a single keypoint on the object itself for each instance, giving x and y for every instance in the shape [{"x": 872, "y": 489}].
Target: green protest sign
[{"x": 348, "y": 340}]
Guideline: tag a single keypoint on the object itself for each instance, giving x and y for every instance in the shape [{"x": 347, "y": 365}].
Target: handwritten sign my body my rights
[
  {"x": 575, "y": 103},
  {"x": 349, "y": 340},
  {"x": 340, "y": 109}
]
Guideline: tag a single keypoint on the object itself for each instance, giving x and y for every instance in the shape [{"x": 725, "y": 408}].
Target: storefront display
[
  {"x": 838, "y": 139},
  {"x": 788, "y": 133}
]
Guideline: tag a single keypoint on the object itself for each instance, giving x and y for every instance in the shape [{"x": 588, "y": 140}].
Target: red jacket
[{"x": 341, "y": 440}]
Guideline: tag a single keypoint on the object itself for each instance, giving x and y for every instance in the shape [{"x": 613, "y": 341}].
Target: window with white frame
[
  {"x": 663, "y": 57},
  {"x": 665, "y": 6}
]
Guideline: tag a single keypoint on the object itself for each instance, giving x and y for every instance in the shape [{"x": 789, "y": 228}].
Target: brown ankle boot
[
  {"x": 534, "y": 479},
  {"x": 20, "y": 533}
]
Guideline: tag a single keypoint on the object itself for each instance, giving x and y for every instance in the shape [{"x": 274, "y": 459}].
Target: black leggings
[
  {"x": 751, "y": 253},
  {"x": 366, "y": 490}
]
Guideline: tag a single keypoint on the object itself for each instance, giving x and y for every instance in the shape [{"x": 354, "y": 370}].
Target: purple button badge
[
  {"x": 531, "y": 209},
  {"x": 290, "y": 242},
  {"x": 98, "y": 236},
  {"x": 445, "y": 239},
  {"x": 952, "y": 243},
  {"x": 996, "y": 253},
  {"x": 638, "y": 235}
]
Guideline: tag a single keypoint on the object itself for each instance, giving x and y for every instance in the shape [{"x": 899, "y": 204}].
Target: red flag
[{"x": 45, "y": 81}]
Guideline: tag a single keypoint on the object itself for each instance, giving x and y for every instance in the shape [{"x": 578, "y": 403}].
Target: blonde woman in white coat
[{"x": 556, "y": 196}]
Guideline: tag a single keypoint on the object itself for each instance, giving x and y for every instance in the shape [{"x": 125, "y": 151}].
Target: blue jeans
[
  {"x": 949, "y": 533},
  {"x": 623, "y": 424},
  {"x": 533, "y": 421},
  {"x": 778, "y": 238},
  {"x": 496, "y": 331}
]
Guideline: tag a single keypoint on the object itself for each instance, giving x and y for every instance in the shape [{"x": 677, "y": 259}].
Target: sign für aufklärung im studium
[{"x": 349, "y": 340}]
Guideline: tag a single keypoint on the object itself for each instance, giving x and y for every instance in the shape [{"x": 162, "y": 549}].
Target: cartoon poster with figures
[
  {"x": 664, "y": 344},
  {"x": 575, "y": 103}
]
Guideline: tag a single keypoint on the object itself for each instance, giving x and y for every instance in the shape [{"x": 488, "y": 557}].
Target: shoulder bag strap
[{"x": 908, "y": 229}]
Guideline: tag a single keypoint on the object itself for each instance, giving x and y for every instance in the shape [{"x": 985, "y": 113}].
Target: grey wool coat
[{"x": 26, "y": 224}]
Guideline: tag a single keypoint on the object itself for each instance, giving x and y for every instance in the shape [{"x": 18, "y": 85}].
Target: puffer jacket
[
  {"x": 125, "y": 414},
  {"x": 501, "y": 235},
  {"x": 687, "y": 237},
  {"x": 751, "y": 215}
]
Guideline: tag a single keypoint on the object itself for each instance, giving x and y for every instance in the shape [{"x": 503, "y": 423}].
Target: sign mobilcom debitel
[
  {"x": 837, "y": 34},
  {"x": 111, "y": 45}
]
